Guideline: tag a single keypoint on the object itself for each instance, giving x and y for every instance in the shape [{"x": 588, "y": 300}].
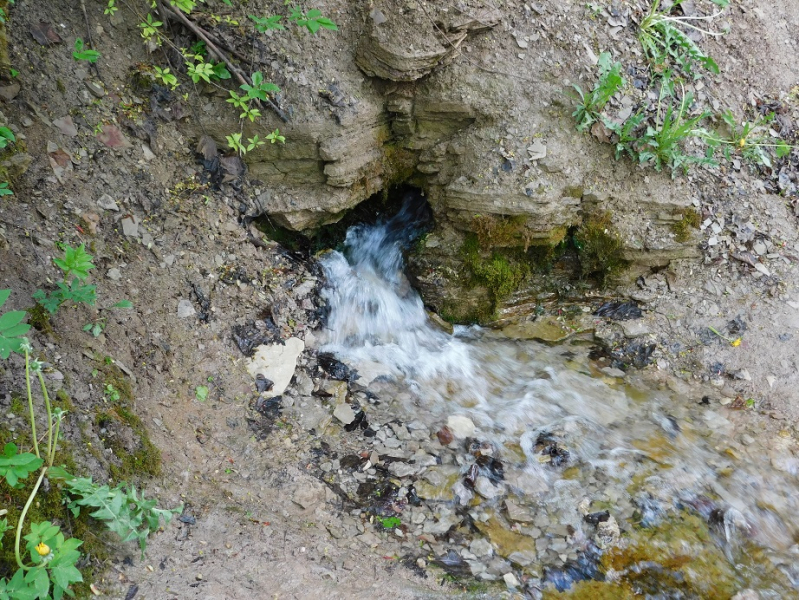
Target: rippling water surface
[{"x": 665, "y": 468}]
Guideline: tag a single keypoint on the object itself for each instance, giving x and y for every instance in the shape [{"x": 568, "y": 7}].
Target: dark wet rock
[
  {"x": 597, "y": 517},
  {"x": 351, "y": 462},
  {"x": 619, "y": 311},
  {"x": 584, "y": 568},
  {"x": 359, "y": 422},
  {"x": 453, "y": 564},
  {"x": 635, "y": 353},
  {"x": 269, "y": 407},
  {"x": 736, "y": 326},
  {"x": 491, "y": 468},
  {"x": 335, "y": 368},
  {"x": 262, "y": 384},
  {"x": 253, "y": 334},
  {"x": 547, "y": 445}
]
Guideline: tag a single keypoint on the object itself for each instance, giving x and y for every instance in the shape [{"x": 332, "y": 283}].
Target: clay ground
[{"x": 257, "y": 523}]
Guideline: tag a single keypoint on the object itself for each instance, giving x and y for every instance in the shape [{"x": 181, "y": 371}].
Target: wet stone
[
  {"x": 487, "y": 489},
  {"x": 461, "y": 427}
]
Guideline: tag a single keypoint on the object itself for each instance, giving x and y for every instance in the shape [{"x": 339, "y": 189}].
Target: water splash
[{"x": 520, "y": 393}]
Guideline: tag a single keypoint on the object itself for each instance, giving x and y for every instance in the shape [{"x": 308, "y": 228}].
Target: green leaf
[
  {"x": 81, "y": 54},
  {"x": 264, "y": 24},
  {"x": 40, "y": 581},
  {"x": 201, "y": 393},
  {"x": 15, "y": 466},
  {"x": 782, "y": 148},
  {"x": 11, "y": 328},
  {"x": 76, "y": 261}
]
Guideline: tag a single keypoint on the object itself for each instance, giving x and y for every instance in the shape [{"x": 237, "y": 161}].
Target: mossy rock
[
  {"x": 682, "y": 229},
  {"x": 599, "y": 247}
]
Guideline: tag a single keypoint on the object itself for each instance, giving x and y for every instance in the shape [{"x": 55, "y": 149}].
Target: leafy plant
[
  {"x": 130, "y": 515},
  {"x": 663, "y": 40},
  {"x": 166, "y": 77},
  {"x": 111, "y": 8},
  {"x": 389, "y": 522},
  {"x": 5, "y": 190},
  {"x": 48, "y": 566},
  {"x": 264, "y": 24},
  {"x": 750, "y": 139},
  {"x": 590, "y": 104},
  {"x": 81, "y": 53},
  {"x": 11, "y": 328},
  {"x": 77, "y": 262},
  {"x": 110, "y": 393},
  {"x": 313, "y": 20},
  {"x": 276, "y": 137},
  {"x": 149, "y": 29},
  {"x": 201, "y": 393},
  {"x": 6, "y": 137}
]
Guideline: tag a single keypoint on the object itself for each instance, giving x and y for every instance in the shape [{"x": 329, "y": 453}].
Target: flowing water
[{"x": 690, "y": 512}]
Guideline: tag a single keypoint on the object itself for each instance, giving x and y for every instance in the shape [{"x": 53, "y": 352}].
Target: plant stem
[
  {"x": 30, "y": 403},
  {"x": 22, "y": 519},
  {"x": 50, "y": 445}
]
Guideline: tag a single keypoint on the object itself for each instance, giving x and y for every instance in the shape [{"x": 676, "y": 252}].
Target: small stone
[
  {"x": 9, "y": 92},
  {"x": 537, "y": 150},
  {"x": 277, "y": 362},
  {"x": 106, "y": 202},
  {"x": 94, "y": 89},
  {"x": 762, "y": 269},
  {"x": 486, "y": 489},
  {"x": 481, "y": 547},
  {"x": 148, "y": 154},
  {"x": 510, "y": 580},
  {"x": 66, "y": 126},
  {"x": 613, "y": 372},
  {"x": 377, "y": 16},
  {"x": 130, "y": 226},
  {"x": 186, "y": 309},
  {"x": 115, "y": 275},
  {"x": 635, "y": 329},
  {"x": 445, "y": 436},
  {"x": 759, "y": 248},
  {"x": 461, "y": 426},
  {"x": 344, "y": 413}
]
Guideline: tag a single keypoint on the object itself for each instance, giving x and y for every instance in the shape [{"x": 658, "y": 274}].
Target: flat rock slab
[
  {"x": 546, "y": 329},
  {"x": 276, "y": 362}
]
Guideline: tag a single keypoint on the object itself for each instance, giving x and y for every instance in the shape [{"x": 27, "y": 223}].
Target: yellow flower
[
  {"x": 742, "y": 142},
  {"x": 43, "y": 549},
  {"x": 736, "y": 342}
]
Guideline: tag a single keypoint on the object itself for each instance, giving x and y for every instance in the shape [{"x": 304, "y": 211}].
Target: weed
[
  {"x": 81, "y": 53},
  {"x": 313, "y": 20},
  {"x": 589, "y": 105},
  {"x": 110, "y": 393},
  {"x": 661, "y": 143},
  {"x": 77, "y": 262},
  {"x": 12, "y": 329},
  {"x": 751, "y": 139},
  {"x": 663, "y": 41}
]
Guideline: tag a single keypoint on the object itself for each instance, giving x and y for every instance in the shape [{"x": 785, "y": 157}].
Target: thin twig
[
  {"x": 215, "y": 51},
  {"x": 89, "y": 37}
]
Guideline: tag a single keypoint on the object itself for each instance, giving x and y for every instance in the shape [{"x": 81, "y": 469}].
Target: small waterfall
[{"x": 523, "y": 394}]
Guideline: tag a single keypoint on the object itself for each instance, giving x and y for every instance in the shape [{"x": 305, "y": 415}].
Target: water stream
[{"x": 690, "y": 511}]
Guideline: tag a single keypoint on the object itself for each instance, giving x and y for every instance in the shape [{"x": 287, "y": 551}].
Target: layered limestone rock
[{"x": 441, "y": 97}]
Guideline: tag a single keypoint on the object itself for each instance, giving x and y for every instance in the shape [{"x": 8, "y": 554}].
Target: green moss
[
  {"x": 500, "y": 272},
  {"x": 128, "y": 464},
  {"x": 599, "y": 247},
  {"x": 682, "y": 228},
  {"x": 39, "y": 319}
]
